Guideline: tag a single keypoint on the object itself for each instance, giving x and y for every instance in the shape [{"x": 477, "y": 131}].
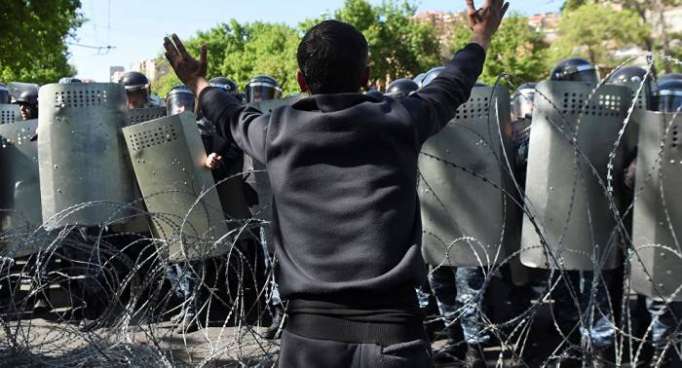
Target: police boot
[
  {"x": 475, "y": 357},
  {"x": 278, "y": 318}
]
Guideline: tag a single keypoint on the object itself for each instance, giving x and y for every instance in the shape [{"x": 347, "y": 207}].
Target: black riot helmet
[
  {"x": 26, "y": 96},
  {"x": 262, "y": 88},
  {"x": 134, "y": 81},
  {"x": 522, "y": 102},
  {"x": 226, "y": 84},
  {"x": 431, "y": 75},
  {"x": 178, "y": 100},
  {"x": 633, "y": 77},
  {"x": 24, "y": 93},
  {"x": 575, "y": 70},
  {"x": 401, "y": 88},
  {"x": 4, "y": 95},
  {"x": 670, "y": 95}
]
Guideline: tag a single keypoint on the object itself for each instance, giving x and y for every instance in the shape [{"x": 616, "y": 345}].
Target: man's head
[
  {"x": 136, "y": 85},
  {"x": 333, "y": 58}
]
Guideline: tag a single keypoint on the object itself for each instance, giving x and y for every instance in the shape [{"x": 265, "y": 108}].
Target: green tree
[
  {"x": 399, "y": 45},
  {"x": 33, "y": 38},
  {"x": 516, "y": 49},
  {"x": 594, "y": 31},
  {"x": 572, "y": 4},
  {"x": 242, "y": 51},
  {"x": 653, "y": 11}
]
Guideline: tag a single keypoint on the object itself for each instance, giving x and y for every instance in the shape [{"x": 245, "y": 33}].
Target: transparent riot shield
[
  {"x": 9, "y": 113},
  {"x": 20, "y": 215},
  {"x": 572, "y": 136},
  {"x": 85, "y": 178},
  {"x": 468, "y": 215},
  {"x": 656, "y": 258},
  {"x": 168, "y": 158}
]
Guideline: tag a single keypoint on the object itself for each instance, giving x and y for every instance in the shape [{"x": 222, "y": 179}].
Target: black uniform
[{"x": 346, "y": 216}]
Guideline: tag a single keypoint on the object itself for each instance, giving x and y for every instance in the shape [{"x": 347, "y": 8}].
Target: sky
[{"x": 135, "y": 28}]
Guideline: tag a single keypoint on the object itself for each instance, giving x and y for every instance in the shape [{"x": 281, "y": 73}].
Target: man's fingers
[
  {"x": 171, "y": 51},
  {"x": 471, "y": 7},
  {"x": 505, "y": 7},
  {"x": 180, "y": 46}
]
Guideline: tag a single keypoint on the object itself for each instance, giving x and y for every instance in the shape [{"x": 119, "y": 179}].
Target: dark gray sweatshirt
[{"x": 343, "y": 168}]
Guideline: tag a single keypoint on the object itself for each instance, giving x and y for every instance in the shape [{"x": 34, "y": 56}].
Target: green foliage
[
  {"x": 516, "y": 49},
  {"x": 570, "y": 5},
  {"x": 32, "y": 39},
  {"x": 399, "y": 45},
  {"x": 594, "y": 31},
  {"x": 242, "y": 51}
]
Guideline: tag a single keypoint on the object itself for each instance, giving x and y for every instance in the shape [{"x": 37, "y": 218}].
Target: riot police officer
[
  {"x": 665, "y": 327},
  {"x": 261, "y": 88},
  {"x": 596, "y": 331},
  {"x": 182, "y": 276},
  {"x": 459, "y": 293},
  {"x": 26, "y": 96},
  {"x": 264, "y": 88},
  {"x": 136, "y": 85},
  {"x": 401, "y": 88},
  {"x": 226, "y": 161},
  {"x": 522, "y": 104}
]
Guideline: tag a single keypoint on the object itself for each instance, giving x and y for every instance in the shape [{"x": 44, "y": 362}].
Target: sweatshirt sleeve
[
  {"x": 436, "y": 104},
  {"x": 242, "y": 124}
]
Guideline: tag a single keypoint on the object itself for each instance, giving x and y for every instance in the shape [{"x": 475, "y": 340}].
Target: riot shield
[
  {"x": 656, "y": 259},
  {"x": 20, "y": 214},
  {"x": 168, "y": 158},
  {"x": 85, "y": 178},
  {"x": 572, "y": 136},
  {"x": 640, "y": 102},
  {"x": 136, "y": 116},
  {"x": 468, "y": 217},
  {"x": 9, "y": 113}
]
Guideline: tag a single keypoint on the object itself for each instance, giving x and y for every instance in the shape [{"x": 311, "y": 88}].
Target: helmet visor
[
  {"x": 261, "y": 92},
  {"x": 178, "y": 103}
]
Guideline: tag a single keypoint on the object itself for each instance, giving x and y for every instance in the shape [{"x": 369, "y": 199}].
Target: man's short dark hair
[{"x": 333, "y": 56}]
